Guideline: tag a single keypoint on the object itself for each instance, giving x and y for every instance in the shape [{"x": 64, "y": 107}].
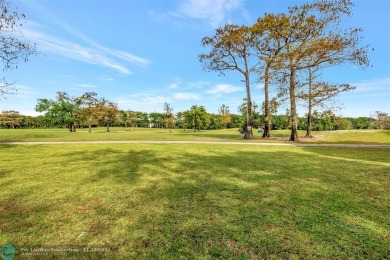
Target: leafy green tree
[
  {"x": 142, "y": 119},
  {"x": 13, "y": 47},
  {"x": 63, "y": 110},
  {"x": 232, "y": 48},
  {"x": 280, "y": 122},
  {"x": 244, "y": 111},
  {"x": 180, "y": 120},
  {"x": 269, "y": 110},
  {"x": 342, "y": 124},
  {"x": 196, "y": 118},
  {"x": 88, "y": 103},
  {"x": 236, "y": 121},
  {"x": 123, "y": 118},
  {"x": 215, "y": 122},
  {"x": 360, "y": 122},
  {"x": 133, "y": 119},
  {"x": 156, "y": 119},
  {"x": 29, "y": 121}
]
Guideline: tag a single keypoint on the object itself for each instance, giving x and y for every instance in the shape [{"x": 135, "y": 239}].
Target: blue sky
[{"x": 142, "y": 53}]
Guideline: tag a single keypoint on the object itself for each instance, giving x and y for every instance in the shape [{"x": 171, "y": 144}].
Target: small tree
[
  {"x": 107, "y": 112},
  {"x": 232, "y": 48},
  {"x": 225, "y": 115},
  {"x": 88, "y": 102},
  {"x": 133, "y": 118},
  {"x": 317, "y": 93},
  {"x": 169, "y": 118}
]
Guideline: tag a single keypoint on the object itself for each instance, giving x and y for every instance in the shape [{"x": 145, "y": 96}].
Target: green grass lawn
[
  {"x": 347, "y": 137},
  {"x": 196, "y": 201}
]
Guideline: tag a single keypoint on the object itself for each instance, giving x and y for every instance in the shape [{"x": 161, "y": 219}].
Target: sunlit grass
[
  {"x": 225, "y": 135},
  {"x": 197, "y": 201},
  {"x": 353, "y": 136}
]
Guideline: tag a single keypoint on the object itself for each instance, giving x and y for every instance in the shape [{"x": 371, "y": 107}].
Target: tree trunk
[
  {"x": 309, "y": 120},
  {"x": 309, "y": 126},
  {"x": 248, "y": 131},
  {"x": 72, "y": 127},
  {"x": 294, "y": 130},
  {"x": 310, "y": 105},
  {"x": 267, "y": 127},
  {"x": 89, "y": 126},
  {"x": 108, "y": 127}
]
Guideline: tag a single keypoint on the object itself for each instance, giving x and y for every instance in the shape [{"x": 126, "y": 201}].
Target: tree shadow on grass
[
  {"x": 239, "y": 204},
  {"x": 214, "y": 202}
]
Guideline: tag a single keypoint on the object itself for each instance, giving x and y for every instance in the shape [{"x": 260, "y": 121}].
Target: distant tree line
[{"x": 88, "y": 111}]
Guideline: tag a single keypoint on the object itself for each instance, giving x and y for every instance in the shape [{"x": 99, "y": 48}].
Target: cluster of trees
[
  {"x": 288, "y": 51},
  {"x": 87, "y": 109},
  {"x": 90, "y": 111}
]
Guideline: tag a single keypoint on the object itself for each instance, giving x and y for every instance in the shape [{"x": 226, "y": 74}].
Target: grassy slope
[
  {"x": 363, "y": 136},
  {"x": 198, "y": 200}
]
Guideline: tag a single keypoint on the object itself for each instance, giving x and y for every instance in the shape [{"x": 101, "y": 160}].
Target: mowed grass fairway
[
  {"x": 225, "y": 135},
  {"x": 197, "y": 201}
]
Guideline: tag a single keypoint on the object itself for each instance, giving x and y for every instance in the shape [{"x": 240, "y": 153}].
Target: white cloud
[
  {"x": 23, "y": 91},
  {"x": 93, "y": 54},
  {"x": 186, "y": 96},
  {"x": 176, "y": 84},
  {"x": 142, "y": 100},
  {"x": 224, "y": 88},
  {"x": 372, "y": 85},
  {"x": 198, "y": 84},
  {"x": 131, "y": 58},
  {"x": 86, "y": 86},
  {"x": 179, "y": 83},
  {"x": 173, "y": 86},
  {"x": 106, "y": 78},
  {"x": 215, "y": 12}
]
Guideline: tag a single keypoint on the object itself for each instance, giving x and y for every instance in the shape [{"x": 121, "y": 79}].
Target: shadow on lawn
[
  {"x": 245, "y": 204},
  {"x": 222, "y": 203}
]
